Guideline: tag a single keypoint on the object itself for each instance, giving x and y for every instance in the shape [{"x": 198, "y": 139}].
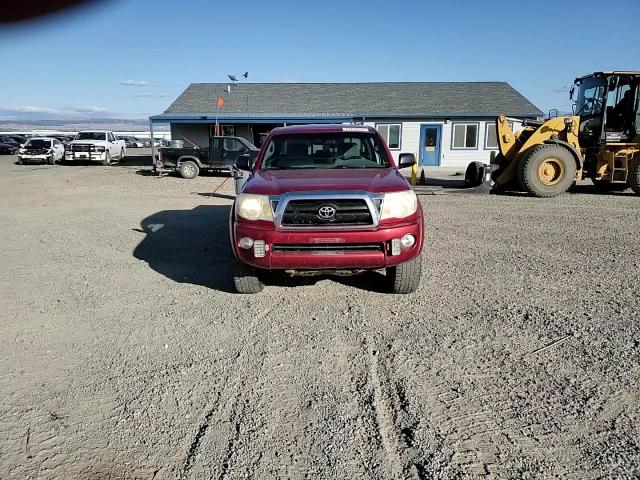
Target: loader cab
[{"x": 607, "y": 104}]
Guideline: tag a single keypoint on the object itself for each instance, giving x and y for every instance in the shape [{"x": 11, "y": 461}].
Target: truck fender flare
[
  {"x": 184, "y": 158},
  {"x": 576, "y": 155}
]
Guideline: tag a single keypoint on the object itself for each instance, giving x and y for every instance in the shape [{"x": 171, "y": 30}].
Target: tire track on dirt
[
  {"x": 390, "y": 417},
  {"x": 240, "y": 365}
]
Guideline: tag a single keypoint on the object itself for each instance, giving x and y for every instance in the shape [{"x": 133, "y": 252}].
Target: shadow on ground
[
  {"x": 135, "y": 160},
  {"x": 192, "y": 246},
  {"x": 189, "y": 246}
]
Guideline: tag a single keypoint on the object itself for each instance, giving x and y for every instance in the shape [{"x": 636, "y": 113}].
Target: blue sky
[{"x": 131, "y": 58}]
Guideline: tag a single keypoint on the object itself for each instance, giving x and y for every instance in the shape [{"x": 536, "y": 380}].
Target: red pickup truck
[{"x": 326, "y": 198}]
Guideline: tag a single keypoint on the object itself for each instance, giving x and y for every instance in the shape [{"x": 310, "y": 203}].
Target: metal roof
[{"x": 348, "y": 100}]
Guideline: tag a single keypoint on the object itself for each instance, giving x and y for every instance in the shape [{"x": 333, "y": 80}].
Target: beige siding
[{"x": 410, "y": 141}]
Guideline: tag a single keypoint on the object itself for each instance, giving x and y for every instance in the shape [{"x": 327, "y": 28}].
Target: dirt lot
[{"x": 124, "y": 353}]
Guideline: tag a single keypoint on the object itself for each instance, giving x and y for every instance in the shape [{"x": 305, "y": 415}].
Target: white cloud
[
  {"x": 18, "y": 109},
  {"x": 150, "y": 95},
  {"x": 86, "y": 109},
  {"x": 135, "y": 83}
]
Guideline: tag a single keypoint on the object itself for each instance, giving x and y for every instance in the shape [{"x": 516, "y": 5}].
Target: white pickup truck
[{"x": 96, "y": 146}]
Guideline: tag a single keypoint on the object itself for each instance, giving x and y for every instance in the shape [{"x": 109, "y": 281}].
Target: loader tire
[
  {"x": 547, "y": 171},
  {"x": 634, "y": 175}
]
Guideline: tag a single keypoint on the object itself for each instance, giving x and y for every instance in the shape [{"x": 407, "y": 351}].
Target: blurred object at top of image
[{"x": 15, "y": 12}]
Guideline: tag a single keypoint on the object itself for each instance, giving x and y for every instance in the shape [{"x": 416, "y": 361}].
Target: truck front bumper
[
  {"x": 85, "y": 156},
  {"x": 331, "y": 250}
]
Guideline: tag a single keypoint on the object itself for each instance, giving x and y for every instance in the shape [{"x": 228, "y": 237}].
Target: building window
[
  {"x": 465, "y": 136},
  {"x": 225, "y": 130},
  {"x": 490, "y": 135},
  {"x": 390, "y": 132}
]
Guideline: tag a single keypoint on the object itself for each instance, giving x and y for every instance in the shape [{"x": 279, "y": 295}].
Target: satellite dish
[{"x": 232, "y": 78}]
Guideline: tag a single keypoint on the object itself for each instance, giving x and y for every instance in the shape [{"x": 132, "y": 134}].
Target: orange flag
[{"x": 220, "y": 101}]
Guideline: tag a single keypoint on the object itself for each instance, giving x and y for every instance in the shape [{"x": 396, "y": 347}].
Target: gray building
[{"x": 443, "y": 123}]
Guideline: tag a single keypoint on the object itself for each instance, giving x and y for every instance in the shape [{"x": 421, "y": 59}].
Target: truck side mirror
[
  {"x": 244, "y": 162},
  {"x": 406, "y": 160}
]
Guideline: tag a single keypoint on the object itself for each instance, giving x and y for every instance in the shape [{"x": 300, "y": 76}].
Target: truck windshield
[
  {"x": 591, "y": 96},
  {"x": 91, "y": 136},
  {"x": 325, "y": 150},
  {"x": 37, "y": 143}
]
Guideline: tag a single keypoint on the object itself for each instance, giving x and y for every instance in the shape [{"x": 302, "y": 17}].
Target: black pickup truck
[{"x": 221, "y": 154}]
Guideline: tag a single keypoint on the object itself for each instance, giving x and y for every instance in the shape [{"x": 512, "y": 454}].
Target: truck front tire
[
  {"x": 246, "y": 279},
  {"x": 189, "y": 170},
  {"x": 107, "y": 159},
  {"x": 405, "y": 278}
]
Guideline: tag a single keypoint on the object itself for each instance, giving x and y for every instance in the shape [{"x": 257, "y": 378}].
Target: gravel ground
[{"x": 124, "y": 353}]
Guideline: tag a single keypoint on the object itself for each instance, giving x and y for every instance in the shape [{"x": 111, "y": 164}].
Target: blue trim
[
  {"x": 270, "y": 118},
  {"x": 400, "y": 138},
  {"x": 423, "y": 127},
  {"x": 453, "y": 132},
  {"x": 249, "y": 120}
]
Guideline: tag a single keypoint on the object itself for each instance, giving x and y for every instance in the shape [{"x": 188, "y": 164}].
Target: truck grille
[
  {"x": 345, "y": 212},
  {"x": 35, "y": 151},
  {"x": 326, "y": 248},
  {"x": 81, "y": 148}
]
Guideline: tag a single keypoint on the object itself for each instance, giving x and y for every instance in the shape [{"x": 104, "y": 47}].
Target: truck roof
[
  {"x": 323, "y": 128},
  {"x": 609, "y": 72}
]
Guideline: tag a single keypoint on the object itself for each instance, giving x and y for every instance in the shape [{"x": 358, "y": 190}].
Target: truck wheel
[
  {"x": 19, "y": 162},
  {"x": 634, "y": 175},
  {"x": 405, "y": 278},
  {"x": 51, "y": 160},
  {"x": 121, "y": 155},
  {"x": 246, "y": 280},
  {"x": 548, "y": 171},
  {"x": 107, "y": 159},
  {"x": 189, "y": 170}
]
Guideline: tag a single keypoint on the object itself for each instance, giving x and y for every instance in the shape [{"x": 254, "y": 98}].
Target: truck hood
[
  {"x": 374, "y": 180},
  {"x": 89, "y": 142}
]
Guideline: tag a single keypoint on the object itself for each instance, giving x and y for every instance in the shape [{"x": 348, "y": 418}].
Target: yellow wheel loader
[{"x": 601, "y": 141}]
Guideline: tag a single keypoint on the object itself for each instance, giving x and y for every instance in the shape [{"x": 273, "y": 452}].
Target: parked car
[
  {"x": 326, "y": 198},
  {"x": 9, "y": 140},
  {"x": 101, "y": 146},
  {"x": 221, "y": 154},
  {"x": 132, "y": 142},
  {"x": 20, "y": 139},
  {"x": 41, "y": 149},
  {"x": 8, "y": 148}
]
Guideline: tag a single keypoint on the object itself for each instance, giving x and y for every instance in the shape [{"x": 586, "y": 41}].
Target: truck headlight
[
  {"x": 254, "y": 207},
  {"x": 399, "y": 204},
  {"x": 100, "y": 149}
]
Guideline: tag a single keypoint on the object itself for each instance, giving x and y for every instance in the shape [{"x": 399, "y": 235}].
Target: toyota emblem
[{"x": 327, "y": 212}]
